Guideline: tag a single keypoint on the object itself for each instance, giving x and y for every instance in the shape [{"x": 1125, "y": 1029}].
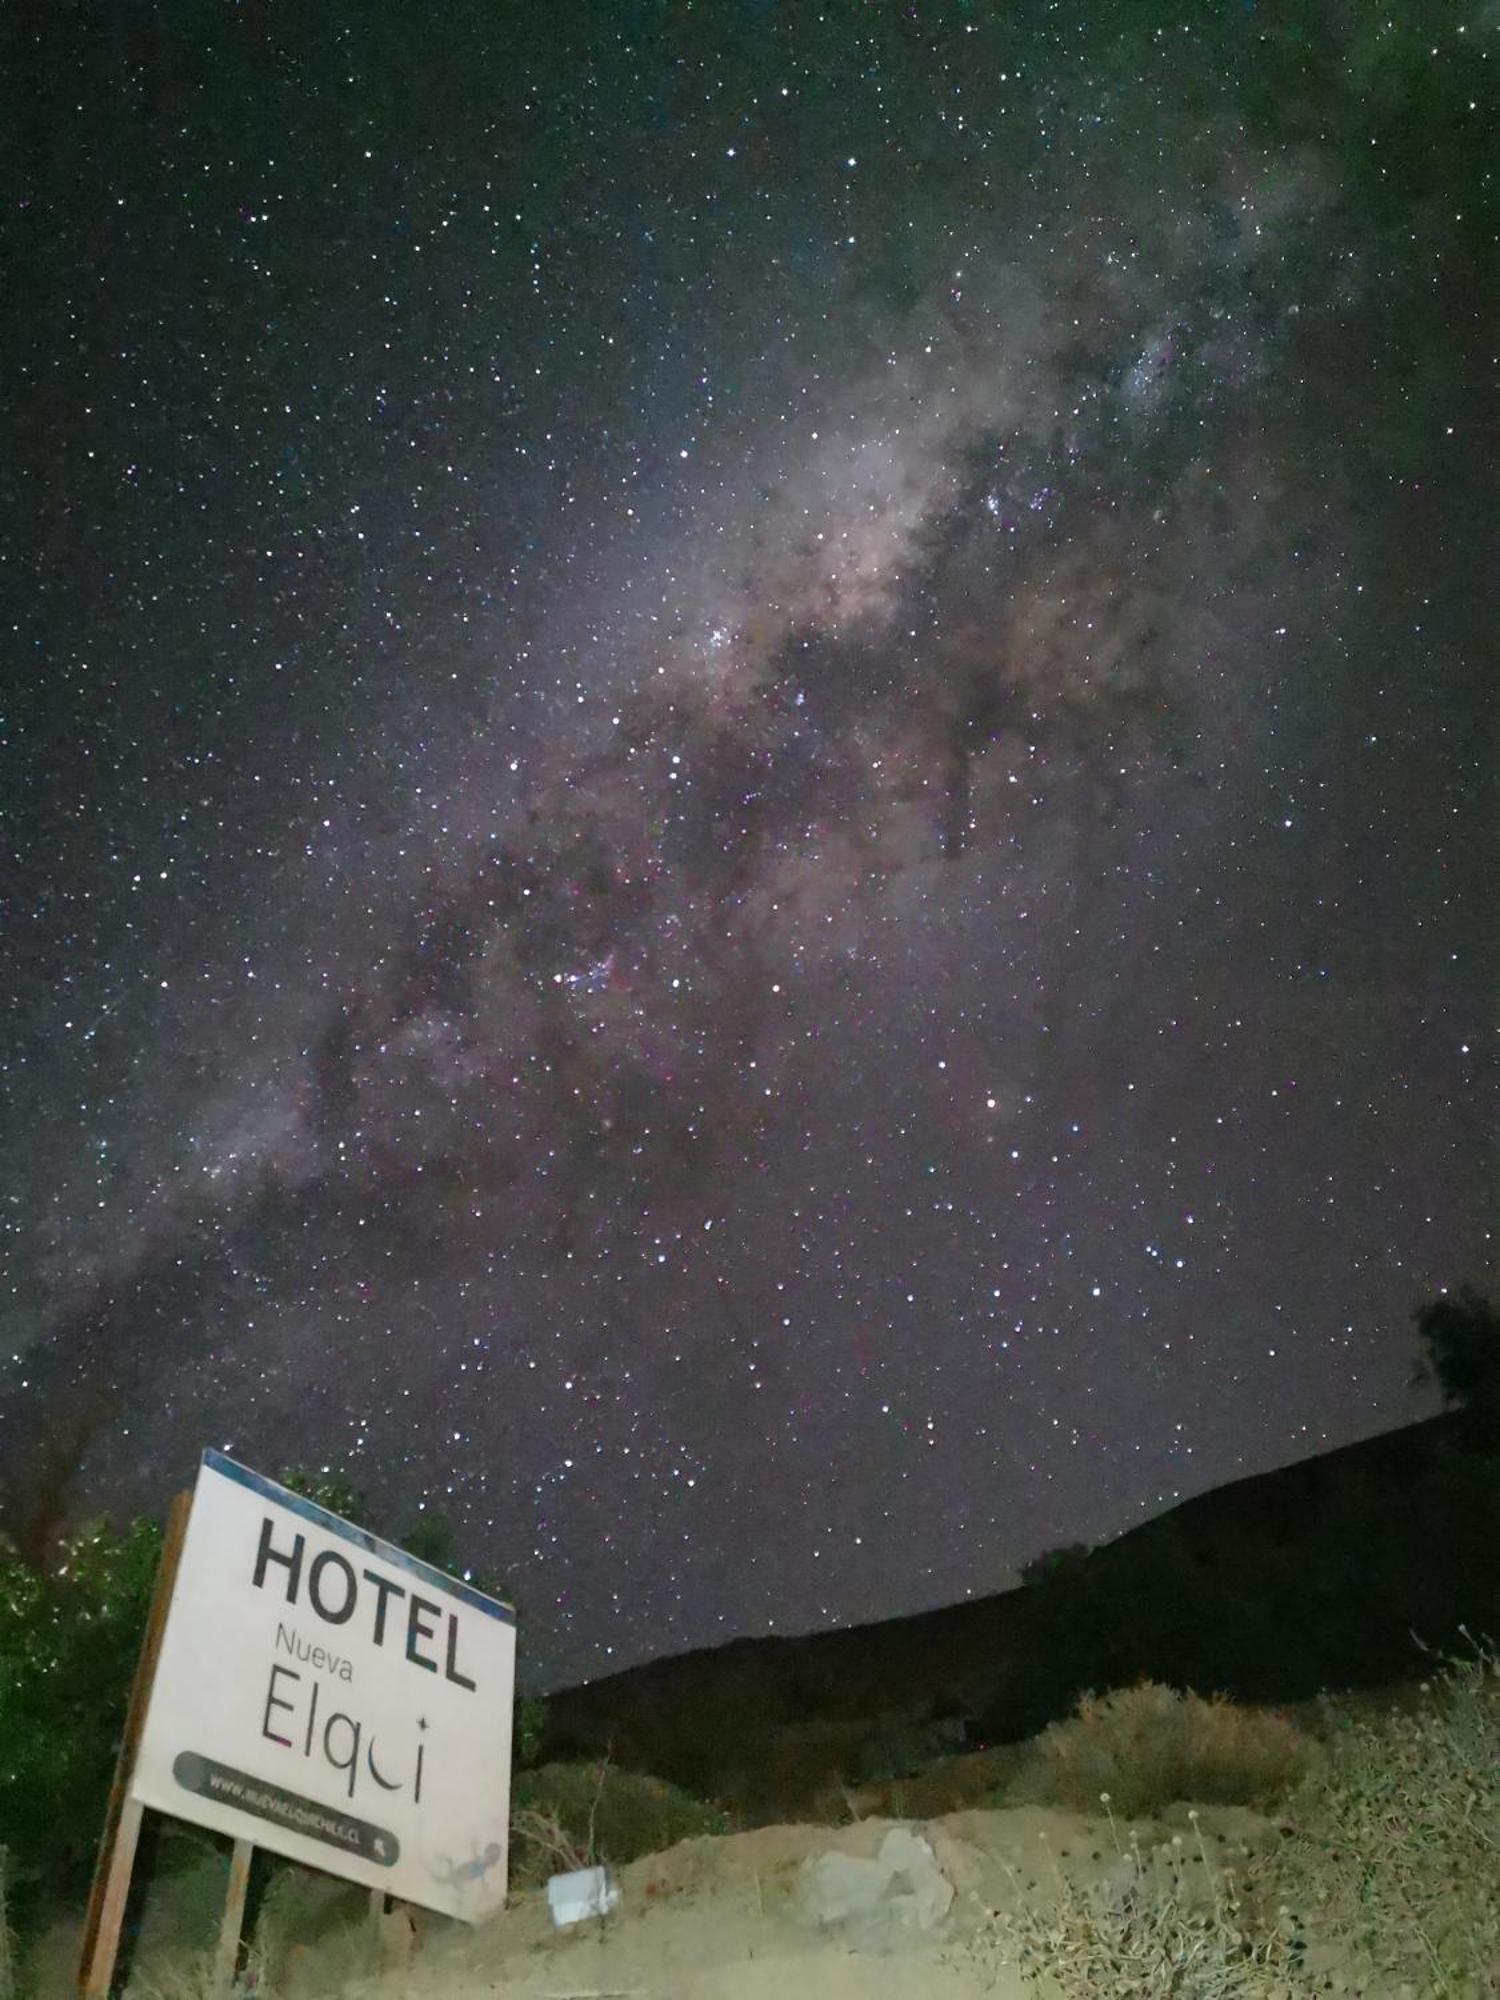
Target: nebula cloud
[{"x": 744, "y": 909}]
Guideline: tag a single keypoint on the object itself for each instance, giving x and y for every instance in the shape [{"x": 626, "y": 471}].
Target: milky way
[{"x": 750, "y": 769}]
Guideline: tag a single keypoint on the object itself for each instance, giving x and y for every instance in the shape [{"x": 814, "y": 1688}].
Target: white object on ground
[{"x": 587, "y": 1892}]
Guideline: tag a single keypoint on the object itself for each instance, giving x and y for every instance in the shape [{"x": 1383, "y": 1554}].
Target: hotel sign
[{"x": 323, "y": 1694}]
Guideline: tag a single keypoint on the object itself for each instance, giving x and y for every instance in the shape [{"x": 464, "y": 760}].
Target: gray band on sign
[{"x": 225, "y": 1786}]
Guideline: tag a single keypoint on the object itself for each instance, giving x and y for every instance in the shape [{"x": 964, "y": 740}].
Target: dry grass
[
  {"x": 540, "y": 1846},
  {"x": 955, "y": 1783},
  {"x": 1388, "y": 1878},
  {"x": 1171, "y": 1922},
  {"x": 1147, "y": 1747},
  {"x": 346, "y": 1956},
  {"x": 1399, "y": 1854}
]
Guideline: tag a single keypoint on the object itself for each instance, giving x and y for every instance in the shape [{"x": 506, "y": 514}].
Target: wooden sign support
[
  {"x": 227, "y": 1958},
  {"x": 122, "y": 1817},
  {"x": 399, "y": 1930}
]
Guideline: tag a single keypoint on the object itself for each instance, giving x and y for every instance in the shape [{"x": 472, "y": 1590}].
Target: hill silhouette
[{"x": 1335, "y": 1572}]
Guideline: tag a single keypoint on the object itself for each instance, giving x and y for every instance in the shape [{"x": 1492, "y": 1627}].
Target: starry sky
[{"x": 748, "y": 769}]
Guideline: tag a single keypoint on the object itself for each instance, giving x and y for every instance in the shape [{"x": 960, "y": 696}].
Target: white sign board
[{"x": 325, "y": 1695}]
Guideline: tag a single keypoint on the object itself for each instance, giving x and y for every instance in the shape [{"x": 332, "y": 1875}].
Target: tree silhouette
[
  {"x": 1460, "y": 1335},
  {"x": 330, "y": 1489}
]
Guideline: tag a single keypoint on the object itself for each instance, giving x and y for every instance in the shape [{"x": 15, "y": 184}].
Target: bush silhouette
[
  {"x": 1142, "y": 1749},
  {"x": 69, "y": 1637},
  {"x": 586, "y": 1813},
  {"x": 1460, "y": 1336}
]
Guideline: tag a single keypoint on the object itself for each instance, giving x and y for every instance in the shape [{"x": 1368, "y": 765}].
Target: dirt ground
[{"x": 727, "y": 1918}]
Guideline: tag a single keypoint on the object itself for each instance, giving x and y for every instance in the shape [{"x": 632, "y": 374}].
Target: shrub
[
  {"x": 1461, "y": 1350},
  {"x": 899, "y": 1748},
  {"x": 528, "y": 1730},
  {"x": 1400, "y": 1853},
  {"x": 7, "y": 1939},
  {"x": 1387, "y": 1872},
  {"x": 1147, "y": 1746},
  {"x": 572, "y": 1815},
  {"x": 68, "y": 1643},
  {"x": 1173, "y": 1922}
]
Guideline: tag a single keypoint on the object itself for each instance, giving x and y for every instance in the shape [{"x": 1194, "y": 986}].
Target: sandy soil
[{"x": 725, "y": 1919}]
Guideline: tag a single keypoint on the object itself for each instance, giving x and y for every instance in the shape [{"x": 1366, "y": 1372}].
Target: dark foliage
[
  {"x": 1461, "y": 1350},
  {"x": 69, "y": 1636}
]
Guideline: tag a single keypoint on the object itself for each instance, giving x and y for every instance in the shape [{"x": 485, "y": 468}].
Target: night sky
[{"x": 749, "y": 768}]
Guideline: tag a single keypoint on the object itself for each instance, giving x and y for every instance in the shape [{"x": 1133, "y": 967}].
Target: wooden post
[
  {"x": 101, "y": 1936},
  {"x": 122, "y": 1816},
  {"x": 227, "y": 1958},
  {"x": 399, "y": 1931}
]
